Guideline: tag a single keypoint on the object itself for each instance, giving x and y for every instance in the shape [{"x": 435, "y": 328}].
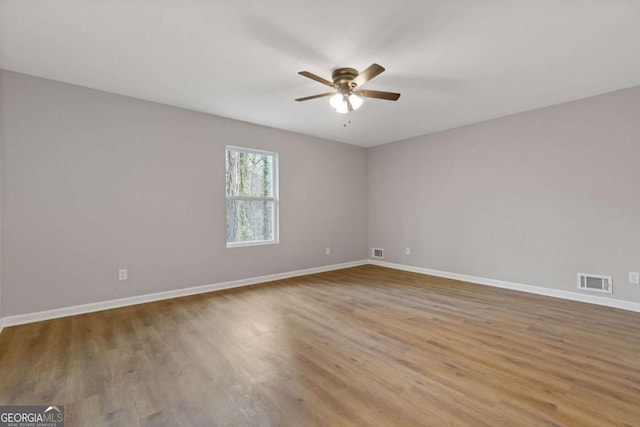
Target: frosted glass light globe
[
  {"x": 356, "y": 101},
  {"x": 343, "y": 108},
  {"x": 336, "y": 100}
]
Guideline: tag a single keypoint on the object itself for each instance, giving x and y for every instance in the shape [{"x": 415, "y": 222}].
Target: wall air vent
[
  {"x": 377, "y": 253},
  {"x": 595, "y": 283}
]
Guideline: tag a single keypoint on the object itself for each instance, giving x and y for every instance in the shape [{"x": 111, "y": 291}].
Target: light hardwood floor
[{"x": 366, "y": 346}]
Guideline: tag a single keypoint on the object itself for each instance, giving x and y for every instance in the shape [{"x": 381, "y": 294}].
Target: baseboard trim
[
  {"x": 573, "y": 296},
  {"x": 21, "y": 319}
]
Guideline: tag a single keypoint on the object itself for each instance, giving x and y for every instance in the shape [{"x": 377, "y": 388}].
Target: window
[{"x": 252, "y": 197}]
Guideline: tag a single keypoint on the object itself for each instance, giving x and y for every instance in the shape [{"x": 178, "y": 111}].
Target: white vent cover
[
  {"x": 377, "y": 253},
  {"x": 595, "y": 283}
]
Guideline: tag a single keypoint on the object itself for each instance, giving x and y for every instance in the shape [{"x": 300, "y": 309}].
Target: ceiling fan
[{"x": 346, "y": 97}]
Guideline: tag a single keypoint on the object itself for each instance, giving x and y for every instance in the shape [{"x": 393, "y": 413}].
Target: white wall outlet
[
  {"x": 123, "y": 274},
  {"x": 407, "y": 251},
  {"x": 634, "y": 278},
  {"x": 327, "y": 251}
]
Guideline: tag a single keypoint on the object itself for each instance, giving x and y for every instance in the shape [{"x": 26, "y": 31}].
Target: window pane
[
  {"x": 249, "y": 220},
  {"x": 249, "y": 174}
]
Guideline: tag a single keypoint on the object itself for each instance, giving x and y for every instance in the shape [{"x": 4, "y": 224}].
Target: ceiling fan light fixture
[
  {"x": 340, "y": 101},
  {"x": 336, "y": 100},
  {"x": 343, "y": 108},
  {"x": 356, "y": 101}
]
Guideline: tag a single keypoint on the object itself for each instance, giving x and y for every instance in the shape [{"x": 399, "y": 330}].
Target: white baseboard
[
  {"x": 21, "y": 319},
  {"x": 122, "y": 302},
  {"x": 573, "y": 296}
]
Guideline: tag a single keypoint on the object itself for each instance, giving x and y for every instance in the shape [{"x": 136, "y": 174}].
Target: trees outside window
[{"x": 252, "y": 203}]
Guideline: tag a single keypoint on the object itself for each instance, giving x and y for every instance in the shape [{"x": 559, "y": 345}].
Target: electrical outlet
[
  {"x": 123, "y": 274},
  {"x": 327, "y": 251},
  {"x": 634, "y": 278},
  {"x": 407, "y": 251}
]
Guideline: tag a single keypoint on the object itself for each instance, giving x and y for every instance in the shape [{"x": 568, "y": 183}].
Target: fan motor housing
[{"x": 343, "y": 76}]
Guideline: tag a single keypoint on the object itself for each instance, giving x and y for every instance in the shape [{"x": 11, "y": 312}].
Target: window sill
[{"x": 247, "y": 244}]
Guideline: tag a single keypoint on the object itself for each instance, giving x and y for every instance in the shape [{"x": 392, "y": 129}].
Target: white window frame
[{"x": 274, "y": 198}]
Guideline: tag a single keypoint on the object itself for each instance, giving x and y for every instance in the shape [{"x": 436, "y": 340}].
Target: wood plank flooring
[{"x": 365, "y": 346}]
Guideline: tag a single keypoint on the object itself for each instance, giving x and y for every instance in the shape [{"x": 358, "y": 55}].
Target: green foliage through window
[{"x": 251, "y": 190}]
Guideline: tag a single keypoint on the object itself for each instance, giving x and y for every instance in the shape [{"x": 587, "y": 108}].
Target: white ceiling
[{"x": 454, "y": 61}]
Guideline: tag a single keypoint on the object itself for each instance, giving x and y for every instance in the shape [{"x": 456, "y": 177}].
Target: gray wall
[
  {"x": 93, "y": 182},
  {"x": 0, "y": 209},
  {"x": 532, "y": 198}
]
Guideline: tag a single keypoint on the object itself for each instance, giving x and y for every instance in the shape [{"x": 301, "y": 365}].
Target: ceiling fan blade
[
  {"x": 306, "y": 98},
  {"x": 389, "y": 96},
  {"x": 368, "y": 74},
  {"x": 317, "y": 78}
]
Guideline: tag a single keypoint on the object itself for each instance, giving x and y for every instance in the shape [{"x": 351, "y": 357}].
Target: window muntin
[{"x": 251, "y": 197}]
